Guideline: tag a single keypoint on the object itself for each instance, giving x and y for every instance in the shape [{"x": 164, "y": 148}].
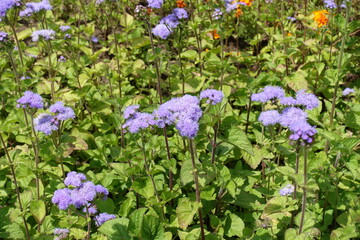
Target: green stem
[
  {"x": 197, "y": 188},
  {"x": 303, "y": 207},
  {"x": 12, "y": 169},
  {"x": 17, "y": 79}
]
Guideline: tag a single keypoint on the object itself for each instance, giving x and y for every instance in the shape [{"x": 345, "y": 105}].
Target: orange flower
[
  {"x": 289, "y": 34},
  {"x": 180, "y": 3},
  {"x": 320, "y": 17},
  {"x": 239, "y": 12},
  {"x": 149, "y": 10},
  {"x": 247, "y": 2},
  {"x": 215, "y": 34}
]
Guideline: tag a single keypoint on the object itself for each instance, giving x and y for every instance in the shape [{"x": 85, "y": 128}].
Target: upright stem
[
  {"x": 296, "y": 172},
  {"x": 248, "y": 115},
  {"x": 17, "y": 79},
  {"x": 37, "y": 160},
  {"x": 169, "y": 158},
  {"x": 16, "y": 185},
  {"x": 222, "y": 60},
  {"x": 149, "y": 174},
  {"x": 17, "y": 44},
  {"x": 197, "y": 188},
  {"x": 213, "y": 143},
  {"x": 303, "y": 207},
  {"x": 88, "y": 219}
]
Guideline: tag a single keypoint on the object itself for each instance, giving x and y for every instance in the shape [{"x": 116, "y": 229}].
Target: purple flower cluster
[
  {"x": 102, "y": 218},
  {"x": 291, "y": 18},
  {"x": 138, "y": 121},
  {"x": 47, "y": 34},
  {"x": 155, "y": 3},
  {"x": 347, "y": 91},
  {"x": 64, "y": 28},
  {"x": 289, "y": 189},
  {"x": 214, "y": 96},
  {"x": 81, "y": 194},
  {"x": 3, "y": 36},
  {"x": 330, "y": 4},
  {"x": 291, "y": 117},
  {"x": 232, "y": 5},
  {"x": 61, "y": 59},
  {"x": 31, "y": 100},
  {"x": 164, "y": 29},
  {"x": 34, "y": 7},
  {"x": 61, "y": 233},
  {"x": 48, "y": 123},
  {"x": 5, "y": 5},
  {"x": 217, "y": 14}
]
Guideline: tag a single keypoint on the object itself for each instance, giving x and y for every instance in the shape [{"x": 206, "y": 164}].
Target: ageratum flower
[
  {"x": 288, "y": 101},
  {"x": 31, "y": 100},
  {"x": 291, "y": 116},
  {"x": 170, "y": 21},
  {"x": 64, "y": 28},
  {"x": 217, "y": 13},
  {"x": 61, "y": 59},
  {"x": 347, "y": 91},
  {"x": 214, "y": 96},
  {"x": 155, "y": 3},
  {"x": 47, "y": 34},
  {"x": 187, "y": 127},
  {"x": 161, "y": 31},
  {"x": 94, "y": 39},
  {"x": 270, "y": 117},
  {"x": 34, "y": 7},
  {"x": 63, "y": 113},
  {"x": 90, "y": 208},
  {"x": 83, "y": 195},
  {"x": 3, "y": 36},
  {"x": 302, "y": 130},
  {"x": 268, "y": 93},
  {"x": 102, "y": 218},
  {"x": 46, "y": 123},
  {"x": 291, "y": 18},
  {"x": 180, "y": 13},
  {"x": 62, "y": 197},
  {"x": 289, "y": 189},
  {"x": 61, "y": 233},
  {"x": 308, "y": 100},
  {"x": 130, "y": 111},
  {"x": 330, "y": 4},
  {"x": 139, "y": 121},
  {"x": 5, "y": 5},
  {"x": 74, "y": 179}
]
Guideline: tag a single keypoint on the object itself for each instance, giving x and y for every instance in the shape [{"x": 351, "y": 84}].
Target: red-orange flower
[
  {"x": 215, "y": 34},
  {"x": 320, "y": 17},
  {"x": 180, "y": 3},
  {"x": 239, "y": 12},
  {"x": 247, "y": 2}
]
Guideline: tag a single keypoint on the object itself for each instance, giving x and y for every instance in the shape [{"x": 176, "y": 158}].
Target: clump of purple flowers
[
  {"x": 61, "y": 233},
  {"x": 217, "y": 14},
  {"x": 64, "y": 28},
  {"x": 164, "y": 29},
  {"x": 292, "y": 117},
  {"x": 34, "y": 7},
  {"x": 155, "y": 3},
  {"x": 214, "y": 96},
  {"x": 80, "y": 193},
  {"x": 5, "y": 5},
  {"x": 347, "y": 91},
  {"x": 102, "y": 218},
  {"x": 47, "y": 123},
  {"x": 3, "y": 36},
  {"x": 288, "y": 190},
  {"x": 330, "y": 4},
  {"x": 30, "y": 100},
  {"x": 47, "y": 34},
  {"x": 61, "y": 59}
]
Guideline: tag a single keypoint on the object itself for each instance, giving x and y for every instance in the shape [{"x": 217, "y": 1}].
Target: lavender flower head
[
  {"x": 268, "y": 93},
  {"x": 308, "y": 100},
  {"x": 62, "y": 197},
  {"x": 270, "y": 117},
  {"x": 187, "y": 127},
  {"x": 289, "y": 189},
  {"x": 130, "y": 111},
  {"x": 217, "y": 14},
  {"x": 61, "y": 233},
  {"x": 161, "y": 31},
  {"x": 61, "y": 59},
  {"x": 5, "y": 5},
  {"x": 302, "y": 131},
  {"x": 99, "y": 1},
  {"x": 90, "y": 208},
  {"x": 330, "y": 4},
  {"x": 347, "y": 91},
  {"x": 74, "y": 179},
  {"x": 94, "y": 39},
  {"x": 83, "y": 195},
  {"x": 288, "y": 101},
  {"x": 64, "y": 28},
  {"x": 34, "y": 7},
  {"x": 30, "y": 99},
  {"x": 63, "y": 113},
  {"x": 102, "y": 218},
  {"x": 139, "y": 121},
  {"x": 291, "y": 18},
  {"x": 155, "y": 3},
  {"x": 3, "y": 36},
  {"x": 214, "y": 96},
  {"x": 47, "y": 34},
  {"x": 180, "y": 13},
  {"x": 291, "y": 116},
  {"x": 170, "y": 21},
  {"x": 46, "y": 123}
]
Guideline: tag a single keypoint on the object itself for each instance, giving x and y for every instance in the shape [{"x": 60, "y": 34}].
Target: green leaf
[
  {"x": 185, "y": 212},
  {"x": 234, "y": 226},
  {"x": 38, "y": 210},
  {"x": 116, "y": 229},
  {"x": 144, "y": 187},
  {"x": 255, "y": 159},
  {"x": 136, "y": 221},
  {"x": 77, "y": 233},
  {"x": 238, "y": 138},
  {"x": 190, "y": 54},
  {"x": 152, "y": 228},
  {"x": 186, "y": 172}
]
